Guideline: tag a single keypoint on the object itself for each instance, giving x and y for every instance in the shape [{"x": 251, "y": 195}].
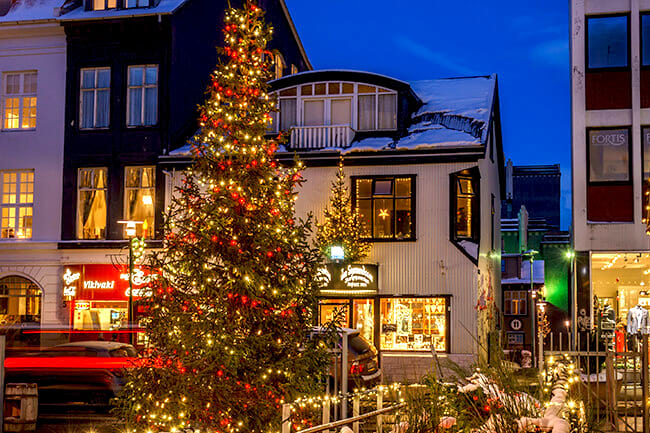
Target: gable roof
[{"x": 28, "y": 11}]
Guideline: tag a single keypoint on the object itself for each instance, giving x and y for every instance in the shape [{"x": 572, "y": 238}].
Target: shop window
[
  {"x": 140, "y": 198},
  {"x": 95, "y": 97},
  {"x": 414, "y": 324},
  {"x": 607, "y": 42},
  {"x": 609, "y": 155},
  {"x": 20, "y": 301},
  {"x": 100, "y": 315},
  {"x": 16, "y": 204},
  {"x": 465, "y": 209},
  {"x": 19, "y": 100},
  {"x": 142, "y": 96},
  {"x": 91, "y": 209},
  {"x": 515, "y": 302},
  {"x": 334, "y": 310},
  {"x": 386, "y": 206},
  {"x": 363, "y": 317}
]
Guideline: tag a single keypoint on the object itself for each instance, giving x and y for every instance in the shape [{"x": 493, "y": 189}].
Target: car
[
  {"x": 363, "y": 361},
  {"x": 84, "y": 373}
]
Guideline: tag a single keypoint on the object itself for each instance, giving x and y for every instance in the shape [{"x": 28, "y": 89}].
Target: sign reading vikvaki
[
  {"x": 103, "y": 282},
  {"x": 348, "y": 278}
]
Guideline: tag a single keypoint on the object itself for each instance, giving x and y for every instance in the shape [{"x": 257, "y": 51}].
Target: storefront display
[{"x": 414, "y": 324}]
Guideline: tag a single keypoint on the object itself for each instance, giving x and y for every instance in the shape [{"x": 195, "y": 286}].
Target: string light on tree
[{"x": 233, "y": 302}]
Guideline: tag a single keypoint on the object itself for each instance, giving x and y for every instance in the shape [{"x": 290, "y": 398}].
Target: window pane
[
  {"x": 151, "y": 106},
  {"x": 364, "y": 188},
  {"x": 91, "y": 218},
  {"x": 288, "y": 92},
  {"x": 387, "y": 111},
  {"x": 135, "y": 76},
  {"x": 24, "y": 222},
  {"x": 366, "y": 89},
  {"x": 287, "y": 113},
  {"x": 364, "y": 208},
  {"x": 147, "y": 177},
  {"x": 402, "y": 187},
  {"x": 383, "y": 187},
  {"x": 646, "y": 154},
  {"x": 383, "y": 218},
  {"x": 340, "y": 112},
  {"x": 13, "y": 84},
  {"x": 319, "y": 89},
  {"x": 607, "y": 42},
  {"x": 103, "y": 78},
  {"x": 29, "y": 113},
  {"x": 306, "y": 90},
  {"x": 645, "y": 40},
  {"x": 103, "y": 101},
  {"x": 98, "y": 5},
  {"x": 140, "y": 208},
  {"x": 366, "y": 112},
  {"x": 402, "y": 218},
  {"x": 151, "y": 75},
  {"x": 11, "y": 111},
  {"x": 135, "y": 106},
  {"x": 347, "y": 88},
  {"x": 333, "y": 88},
  {"x": 88, "y": 79},
  {"x": 87, "y": 108},
  {"x": 363, "y": 317},
  {"x": 29, "y": 85},
  {"x": 608, "y": 155},
  {"x": 133, "y": 177},
  {"x": 464, "y": 217},
  {"x": 112, "y": 4},
  {"x": 314, "y": 113},
  {"x": 85, "y": 178},
  {"x": 465, "y": 186}
]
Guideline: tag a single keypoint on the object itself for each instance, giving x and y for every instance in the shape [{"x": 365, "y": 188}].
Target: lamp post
[
  {"x": 530, "y": 254},
  {"x": 130, "y": 231},
  {"x": 571, "y": 255}
]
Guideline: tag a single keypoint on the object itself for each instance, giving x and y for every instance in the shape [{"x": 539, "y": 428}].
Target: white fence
[{"x": 319, "y": 137}]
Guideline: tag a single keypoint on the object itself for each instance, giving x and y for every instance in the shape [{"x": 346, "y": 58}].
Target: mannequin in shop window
[{"x": 637, "y": 324}]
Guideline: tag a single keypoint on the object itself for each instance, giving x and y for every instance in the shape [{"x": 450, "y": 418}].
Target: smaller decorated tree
[{"x": 342, "y": 225}]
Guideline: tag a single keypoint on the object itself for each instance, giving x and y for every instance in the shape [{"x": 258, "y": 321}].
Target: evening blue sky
[{"x": 524, "y": 42}]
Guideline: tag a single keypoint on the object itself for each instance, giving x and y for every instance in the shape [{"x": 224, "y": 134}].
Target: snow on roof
[
  {"x": 31, "y": 10},
  {"x": 182, "y": 151},
  {"x": 164, "y": 7},
  {"x": 538, "y": 273}
]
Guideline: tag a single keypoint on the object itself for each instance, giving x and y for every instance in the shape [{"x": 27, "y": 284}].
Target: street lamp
[
  {"x": 571, "y": 255},
  {"x": 130, "y": 231},
  {"x": 530, "y": 254}
]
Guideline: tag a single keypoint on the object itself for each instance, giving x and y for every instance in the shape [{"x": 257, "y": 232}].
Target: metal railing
[{"x": 319, "y": 137}]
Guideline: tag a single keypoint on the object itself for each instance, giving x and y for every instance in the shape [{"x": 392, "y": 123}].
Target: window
[
  {"x": 386, "y": 207},
  {"x": 140, "y": 198},
  {"x": 294, "y": 69},
  {"x": 17, "y": 204},
  {"x": 414, "y": 324},
  {"x": 95, "y": 97},
  {"x": 20, "y": 300},
  {"x": 377, "y": 108},
  {"x": 279, "y": 66},
  {"x": 142, "y": 96},
  {"x": 465, "y": 205},
  {"x": 100, "y": 5},
  {"x": 91, "y": 208},
  {"x": 136, "y": 3},
  {"x": 515, "y": 302},
  {"x": 19, "y": 104},
  {"x": 609, "y": 155},
  {"x": 607, "y": 42},
  {"x": 515, "y": 338},
  {"x": 645, "y": 39}
]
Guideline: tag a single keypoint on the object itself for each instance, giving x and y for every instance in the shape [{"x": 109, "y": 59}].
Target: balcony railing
[{"x": 319, "y": 137}]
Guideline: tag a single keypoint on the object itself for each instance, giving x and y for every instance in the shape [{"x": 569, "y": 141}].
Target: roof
[
  {"x": 452, "y": 113},
  {"x": 32, "y": 10},
  {"x": 536, "y": 170},
  {"x": 165, "y": 7},
  {"x": 538, "y": 273}
]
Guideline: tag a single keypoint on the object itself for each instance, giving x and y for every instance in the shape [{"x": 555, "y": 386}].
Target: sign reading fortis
[{"x": 337, "y": 278}]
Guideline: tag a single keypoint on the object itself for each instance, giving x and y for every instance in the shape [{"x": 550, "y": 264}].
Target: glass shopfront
[{"x": 403, "y": 324}]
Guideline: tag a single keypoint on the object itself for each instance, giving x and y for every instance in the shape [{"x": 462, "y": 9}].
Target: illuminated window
[
  {"x": 19, "y": 100},
  {"x": 95, "y": 97},
  {"x": 91, "y": 209},
  {"x": 414, "y": 324},
  {"x": 386, "y": 206},
  {"x": 140, "y": 198},
  {"x": 16, "y": 204},
  {"x": 20, "y": 300},
  {"x": 279, "y": 66},
  {"x": 465, "y": 217},
  {"x": 334, "y": 310},
  {"x": 142, "y": 96},
  {"x": 100, "y": 5},
  {"x": 515, "y": 302}
]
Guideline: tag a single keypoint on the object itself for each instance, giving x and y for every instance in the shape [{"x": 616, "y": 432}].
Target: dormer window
[
  {"x": 136, "y": 3},
  {"x": 361, "y": 107},
  {"x": 100, "y": 5}
]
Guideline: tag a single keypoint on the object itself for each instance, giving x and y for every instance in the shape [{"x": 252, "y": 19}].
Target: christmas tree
[
  {"x": 230, "y": 313},
  {"x": 342, "y": 226}
]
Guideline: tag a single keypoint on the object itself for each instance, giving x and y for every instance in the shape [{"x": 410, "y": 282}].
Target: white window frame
[
  {"x": 140, "y": 187},
  {"x": 94, "y": 90},
  {"x": 17, "y": 205},
  {"x": 144, "y": 86},
  {"x": 21, "y": 95},
  {"x": 79, "y": 189},
  {"x": 354, "y": 105}
]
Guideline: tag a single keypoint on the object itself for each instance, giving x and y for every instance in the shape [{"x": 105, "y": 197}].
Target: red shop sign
[{"x": 103, "y": 282}]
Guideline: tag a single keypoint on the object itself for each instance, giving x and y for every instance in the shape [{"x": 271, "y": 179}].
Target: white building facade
[{"x": 32, "y": 68}]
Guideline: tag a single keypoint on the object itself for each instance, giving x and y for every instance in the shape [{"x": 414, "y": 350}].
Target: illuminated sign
[
  {"x": 337, "y": 278},
  {"x": 69, "y": 278},
  {"x": 94, "y": 284},
  {"x": 104, "y": 282},
  {"x": 138, "y": 278},
  {"x": 82, "y": 305}
]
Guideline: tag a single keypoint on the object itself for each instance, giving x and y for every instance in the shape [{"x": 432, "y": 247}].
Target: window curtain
[
  {"x": 387, "y": 111},
  {"x": 314, "y": 113},
  {"x": 366, "y": 112},
  {"x": 287, "y": 113}
]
